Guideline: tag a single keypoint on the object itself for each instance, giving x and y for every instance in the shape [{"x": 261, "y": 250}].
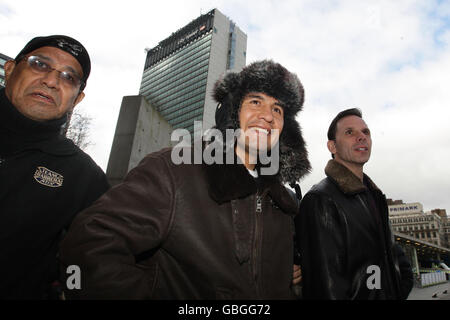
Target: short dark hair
[{"x": 333, "y": 126}]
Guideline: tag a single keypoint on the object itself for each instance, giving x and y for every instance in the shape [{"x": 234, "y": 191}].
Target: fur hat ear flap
[
  {"x": 294, "y": 163},
  {"x": 223, "y": 94}
]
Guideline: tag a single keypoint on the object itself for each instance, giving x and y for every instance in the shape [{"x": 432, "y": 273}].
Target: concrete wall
[{"x": 140, "y": 130}]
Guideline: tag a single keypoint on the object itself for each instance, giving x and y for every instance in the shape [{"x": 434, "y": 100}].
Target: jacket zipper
[
  {"x": 384, "y": 242},
  {"x": 386, "y": 229},
  {"x": 258, "y": 211},
  {"x": 258, "y": 204}
]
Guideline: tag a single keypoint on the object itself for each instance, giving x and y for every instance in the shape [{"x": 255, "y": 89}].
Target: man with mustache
[
  {"x": 44, "y": 178},
  {"x": 216, "y": 230},
  {"x": 343, "y": 231}
]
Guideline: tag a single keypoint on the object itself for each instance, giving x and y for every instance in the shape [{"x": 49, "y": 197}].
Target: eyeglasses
[{"x": 67, "y": 78}]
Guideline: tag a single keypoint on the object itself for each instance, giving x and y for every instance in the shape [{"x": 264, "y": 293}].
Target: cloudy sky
[{"x": 389, "y": 58}]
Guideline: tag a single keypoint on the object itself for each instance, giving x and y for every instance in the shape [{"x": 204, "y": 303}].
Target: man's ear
[
  {"x": 331, "y": 144},
  {"x": 9, "y": 68},
  {"x": 78, "y": 99}
]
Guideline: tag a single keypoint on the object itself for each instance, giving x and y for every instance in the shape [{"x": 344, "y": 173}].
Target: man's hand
[{"x": 297, "y": 277}]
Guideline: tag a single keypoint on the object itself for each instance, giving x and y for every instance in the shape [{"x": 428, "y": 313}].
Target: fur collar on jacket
[
  {"x": 233, "y": 181},
  {"x": 345, "y": 179}
]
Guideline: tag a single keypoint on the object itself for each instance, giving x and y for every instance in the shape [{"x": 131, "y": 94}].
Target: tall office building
[
  {"x": 3, "y": 60},
  {"x": 180, "y": 72},
  {"x": 176, "y": 89}
]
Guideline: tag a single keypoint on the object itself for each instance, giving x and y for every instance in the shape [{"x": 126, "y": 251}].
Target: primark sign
[{"x": 406, "y": 208}]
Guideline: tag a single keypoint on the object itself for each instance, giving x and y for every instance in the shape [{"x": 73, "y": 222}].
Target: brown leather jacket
[{"x": 185, "y": 232}]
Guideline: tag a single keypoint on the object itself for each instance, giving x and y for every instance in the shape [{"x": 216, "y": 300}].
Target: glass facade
[
  {"x": 232, "y": 46},
  {"x": 176, "y": 71},
  {"x": 182, "y": 69},
  {"x": 176, "y": 86}
]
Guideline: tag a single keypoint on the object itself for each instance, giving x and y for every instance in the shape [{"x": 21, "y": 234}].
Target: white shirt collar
[{"x": 253, "y": 173}]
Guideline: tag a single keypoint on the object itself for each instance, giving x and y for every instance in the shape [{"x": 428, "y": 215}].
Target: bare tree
[{"x": 78, "y": 130}]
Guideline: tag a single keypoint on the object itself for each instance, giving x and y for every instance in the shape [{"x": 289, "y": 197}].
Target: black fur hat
[{"x": 276, "y": 81}]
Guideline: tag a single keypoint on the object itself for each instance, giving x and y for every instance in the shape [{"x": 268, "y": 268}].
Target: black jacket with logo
[{"x": 45, "y": 180}]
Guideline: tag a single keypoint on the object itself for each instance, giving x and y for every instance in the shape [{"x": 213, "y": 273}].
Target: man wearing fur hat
[
  {"x": 45, "y": 179},
  {"x": 344, "y": 236},
  {"x": 203, "y": 231}
]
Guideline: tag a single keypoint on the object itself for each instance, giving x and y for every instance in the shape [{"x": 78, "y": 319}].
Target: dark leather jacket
[
  {"x": 340, "y": 238},
  {"x": 185, "y": 232}
]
